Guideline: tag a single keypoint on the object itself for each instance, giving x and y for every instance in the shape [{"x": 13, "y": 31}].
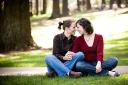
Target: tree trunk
[
  {"x": 1, "y": 26},
  {"x": 88, "y": 4},
  {"x": 44, "y": 7},
  {"x": 111, "y": 3},
  {"x": 78, "y": 5},
  {"x": 16, "y": 26},
  {"x": 118, "y": 3},
  {"x": 55, "y": 9},
  {"x": 103, "y": 1},
  {"x": 36, "y": 6},
  {"x": 126, "y": 3},
  {"x": 65, "y": 10}
]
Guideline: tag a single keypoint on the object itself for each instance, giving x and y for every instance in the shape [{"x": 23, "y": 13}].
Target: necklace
[{"x": 87, "y": 38}]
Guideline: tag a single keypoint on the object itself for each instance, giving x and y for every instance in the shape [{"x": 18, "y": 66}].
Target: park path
[{"x": 9, "y": 71}]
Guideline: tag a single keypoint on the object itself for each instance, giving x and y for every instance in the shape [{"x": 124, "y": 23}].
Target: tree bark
[
  {"x": 36, "y": 7},
  {"x": 65, "y": 10},
  {"x": 44, "y": 7},
  {"x": 118, "y": 3},
  {"x": 88, "y": 4},
  {"x": 16, "y": 26},
  {"x": 1, "y": 26},
  {"x": 55, "y": 9},
  {"x": 78, "y": 5},
  {"x": 111, "y": 4}
]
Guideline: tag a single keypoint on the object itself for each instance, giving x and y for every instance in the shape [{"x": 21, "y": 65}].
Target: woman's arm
[
  {"x": 100, "y": 48},
  {"x": 57, "y": 47}
]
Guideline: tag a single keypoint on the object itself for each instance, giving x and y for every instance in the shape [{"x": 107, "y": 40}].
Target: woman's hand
[
  {"x": 98, "y": 67},
  {"x": 68, "y": 55}
]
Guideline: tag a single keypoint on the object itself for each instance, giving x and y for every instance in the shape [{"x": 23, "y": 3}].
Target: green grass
[
  {"x": 40, "y": 17},
  {"x": 118, "y": 47},
  {"x": 26, "y": 59},
  {"x": 42, "y": 80}
]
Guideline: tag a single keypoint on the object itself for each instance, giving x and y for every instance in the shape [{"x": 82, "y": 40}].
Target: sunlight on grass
[
  {"x": 40, "y": 17},
  {"x": 118, "y": 47},
  {"x": 23, "y": 60}
]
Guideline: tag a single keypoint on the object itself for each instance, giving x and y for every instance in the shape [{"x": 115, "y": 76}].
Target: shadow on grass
[
  {"x": 22, "y": 60},
  {"x": 118, "y": 48}
]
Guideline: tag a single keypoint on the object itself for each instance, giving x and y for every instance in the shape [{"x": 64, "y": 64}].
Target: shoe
[
  {"x": 51, "y": 74},
  {"x": 75, "y": 74},
  {"x": 117, "y": 74},
  {"x": 114, "y": 74}
]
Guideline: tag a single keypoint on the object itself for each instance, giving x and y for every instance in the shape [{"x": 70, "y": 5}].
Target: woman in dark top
[
  {"x": 92, "y": 46},
  {"x": 62, "y": 61}
]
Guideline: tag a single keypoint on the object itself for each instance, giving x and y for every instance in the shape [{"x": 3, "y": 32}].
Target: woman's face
[
  {"x": 71, "y": 29},
  {"x": 80, "y": 29}
]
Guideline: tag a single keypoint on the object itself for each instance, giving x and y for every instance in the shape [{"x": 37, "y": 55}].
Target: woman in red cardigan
[{"x": 92, "y": 46}]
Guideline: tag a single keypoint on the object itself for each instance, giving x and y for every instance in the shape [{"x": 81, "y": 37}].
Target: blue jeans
[
  {"x": 89, "y": 67},
  {"x": 54, "y": 64}
]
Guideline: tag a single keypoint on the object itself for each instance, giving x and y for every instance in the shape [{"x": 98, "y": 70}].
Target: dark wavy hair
[
  {"x": 65, "y": 23},
  {"x": 86, "y": 24}
]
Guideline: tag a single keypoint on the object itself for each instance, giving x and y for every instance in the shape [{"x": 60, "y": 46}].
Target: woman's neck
[
  {"x": 85, "y": 34},
  {"x": 67, "y": 34}
]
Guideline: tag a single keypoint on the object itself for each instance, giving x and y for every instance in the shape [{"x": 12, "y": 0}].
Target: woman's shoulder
[
  {"x": 99, "y": 36},
  {"x": 58, "y": 35}
]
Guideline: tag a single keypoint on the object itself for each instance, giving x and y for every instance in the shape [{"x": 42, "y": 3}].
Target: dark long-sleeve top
[
  {"x": 61, "y": 45},
  {"x": 94, "y": 53}
]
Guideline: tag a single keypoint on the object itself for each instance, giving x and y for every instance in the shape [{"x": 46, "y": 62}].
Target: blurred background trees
[{"x": 15, "y": 24}]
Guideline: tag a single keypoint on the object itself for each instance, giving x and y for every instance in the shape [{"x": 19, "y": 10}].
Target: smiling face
[
  {"x": 71, "y": 29},
  {"x": 80, "y": 29}
]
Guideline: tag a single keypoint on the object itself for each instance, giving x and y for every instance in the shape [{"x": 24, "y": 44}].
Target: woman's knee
[
  {"x": 79, "y": 64},
  {"x": 49, "y": 58},
  {"x": 114, "y": 60},
  {"x": 80, "y": 55}
]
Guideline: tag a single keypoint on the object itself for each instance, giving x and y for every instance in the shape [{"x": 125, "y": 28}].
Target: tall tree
[
  {"x": 44, "y": 7},
  {"x": 118, "y": 3},
  {"x": 1, "y": 24},
  {"x": 78, "y": 5},
  {"x": 55, "y": 9},
  {"x": 37, "y": 7},
  {"x": 126, "y": 3},
  {"x": 16, "y": 30},
  {"x": 65, "y": 10},
  {"x": 88, "y": 4}
]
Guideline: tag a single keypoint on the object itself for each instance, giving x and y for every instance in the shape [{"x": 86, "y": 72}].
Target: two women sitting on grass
[{"x": 84, "y": 53}]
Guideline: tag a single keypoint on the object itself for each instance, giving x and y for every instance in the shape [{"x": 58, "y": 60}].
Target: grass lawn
[
  {"x": 24, "y": 59},
  {"x": 42, "y": 80},
  {"x": 117, "y": 46}
]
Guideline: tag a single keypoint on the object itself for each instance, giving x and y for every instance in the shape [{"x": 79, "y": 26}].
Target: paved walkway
[{"x": 41, "y": 70}]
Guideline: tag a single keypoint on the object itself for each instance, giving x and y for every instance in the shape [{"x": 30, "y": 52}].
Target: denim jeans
[
  {"x": 90, "y": 67},
  {"x": 54, "y": 64}
]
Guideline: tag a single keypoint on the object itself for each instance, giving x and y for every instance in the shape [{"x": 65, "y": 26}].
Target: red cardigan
[{"x": 94, "y": 53}]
